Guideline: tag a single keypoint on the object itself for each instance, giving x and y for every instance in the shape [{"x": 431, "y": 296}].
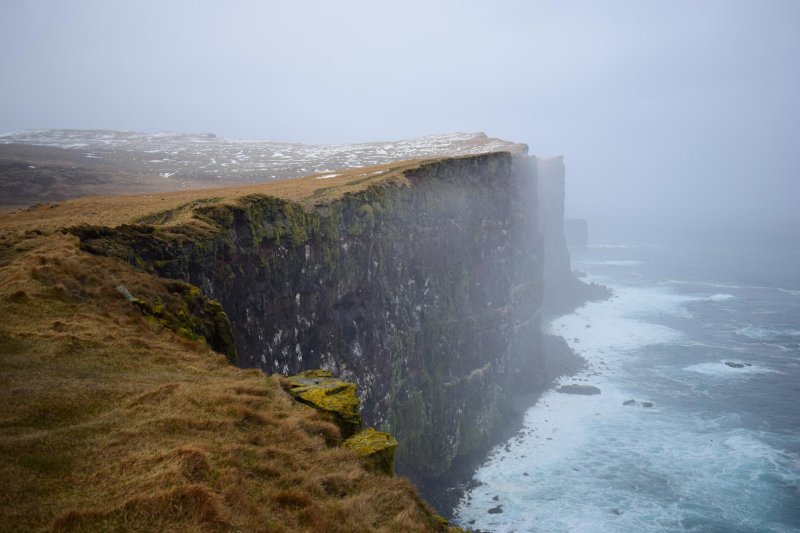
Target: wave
[
  {"x": 793, "y": 292},
  {"x": 721, "y": 297},
  {"x": 620, "y": 246},
  {"x": 614, "y": 328},
  {"x": 576, "y": 472},
  {"x": 765, "y": 334},
  {"x": 613, "y": 262},
  {"x": 724, "y": 370}
]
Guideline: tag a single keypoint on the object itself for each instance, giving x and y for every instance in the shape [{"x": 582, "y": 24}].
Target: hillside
[{"x": 113, "y": 421}]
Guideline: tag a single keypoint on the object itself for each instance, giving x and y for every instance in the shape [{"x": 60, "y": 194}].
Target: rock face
[
  {"x": 563, "y": 291},
  {"x": 426, "y": 295},
  {"x": 576, "y": 231}
]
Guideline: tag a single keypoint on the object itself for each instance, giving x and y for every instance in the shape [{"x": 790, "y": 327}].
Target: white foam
[
  {"x": 721, "y": 297},
  {"x": 326, "y": 176},
  {"x": 648, "y": 478},
  {"x": 761, "y": 334},
  {"x": 560, "y": 427},
  {"x": 720, "y": 369},
  {"x": 793, "y": 292},
  {"x": 619, "y": 325}
]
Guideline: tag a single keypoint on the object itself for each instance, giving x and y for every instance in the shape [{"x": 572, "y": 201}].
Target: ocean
[{"x": 697, "y": 424}]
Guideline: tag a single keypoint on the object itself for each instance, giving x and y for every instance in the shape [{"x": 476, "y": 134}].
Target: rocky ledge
[{"x": 337, "y": 398}]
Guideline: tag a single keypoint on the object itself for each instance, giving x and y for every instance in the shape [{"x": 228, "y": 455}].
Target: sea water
[{"x": 702, "y": 341}]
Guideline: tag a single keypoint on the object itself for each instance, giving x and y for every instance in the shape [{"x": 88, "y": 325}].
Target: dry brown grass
[
  {"x": 111, "y": 423},
  {"x": 115, "y": 210}
]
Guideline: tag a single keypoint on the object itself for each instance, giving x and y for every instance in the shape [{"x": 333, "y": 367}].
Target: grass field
[{"x": 111, "y": 422}]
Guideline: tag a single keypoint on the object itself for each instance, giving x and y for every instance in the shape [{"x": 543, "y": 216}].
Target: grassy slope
[{"x": 113, "y": 423}]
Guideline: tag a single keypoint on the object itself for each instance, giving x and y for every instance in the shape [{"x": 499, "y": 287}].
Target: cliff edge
[{"x": 421, "y": 282}]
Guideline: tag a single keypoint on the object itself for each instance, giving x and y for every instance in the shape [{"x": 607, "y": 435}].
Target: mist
[
  {"x": 295, "y": 289},
  {"x": 668, "y": 113}
]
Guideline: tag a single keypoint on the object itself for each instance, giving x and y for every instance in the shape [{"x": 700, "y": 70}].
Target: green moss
[
  {"x": 376, "y": 447},
  {"x": 195, "y": 317},
  {"x": 365, "y": 211},
  {"x": 319, "y": 389}
]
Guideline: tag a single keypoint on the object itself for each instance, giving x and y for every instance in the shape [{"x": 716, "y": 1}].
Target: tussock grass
[{"x": 113, "y": 423}]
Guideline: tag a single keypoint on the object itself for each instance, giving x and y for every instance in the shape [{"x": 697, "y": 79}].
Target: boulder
[
  {"x": 578, "y": 389},
  {"x": 376, "y": 447},
  {"x": 737, "y": 365},
  {"x": 319, "y": 389}
]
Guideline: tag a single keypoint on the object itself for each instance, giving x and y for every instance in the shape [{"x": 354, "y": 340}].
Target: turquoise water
[{"x": 706, "y": 342}]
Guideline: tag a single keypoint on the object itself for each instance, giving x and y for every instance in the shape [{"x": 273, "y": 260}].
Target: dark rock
[
  {"x": 496, "y": 510},
  {"x": 629, "y": 402},
  {"x": 587, "y": 390},
  {"x": 496, "y": 498},
  {"x": 525, "y": 474},
  {"x": 647, "y": 404},
  {"x": 384, "y": 286},
  {"x": 616, "y": 511},
  {"x": 734, "y": 365}
]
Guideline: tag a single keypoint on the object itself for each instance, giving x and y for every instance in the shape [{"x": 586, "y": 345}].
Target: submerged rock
[
  {"x": 496, "y": 510},
  {"x": 737, "y": 365},
  {"x": 376, "y": 447},
  {"x": 319, "y": 389},
  {"x": 633, "y": 402},
  {"x": 587, "y": 390}
]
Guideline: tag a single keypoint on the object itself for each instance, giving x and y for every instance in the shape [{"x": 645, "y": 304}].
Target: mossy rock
[
  {"x": 376, "y": 447},
  {"x": 319, "y": 389},
  {"x": 192, "y": 316}
]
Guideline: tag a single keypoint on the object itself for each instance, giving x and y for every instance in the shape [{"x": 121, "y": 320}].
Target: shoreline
[{"x": 560, "y": 361}]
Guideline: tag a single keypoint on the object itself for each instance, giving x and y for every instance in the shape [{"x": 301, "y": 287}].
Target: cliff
[
  {"x": 421, "y": 282},
  {"x": 423, "y": 289},
  {"x": 118, "y": 420},
  {"x": 576, "y": 232},
  {"x": 563, "y": 291}
]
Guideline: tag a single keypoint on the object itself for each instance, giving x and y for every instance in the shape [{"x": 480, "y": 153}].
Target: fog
[{"x": 670, "y": 112}]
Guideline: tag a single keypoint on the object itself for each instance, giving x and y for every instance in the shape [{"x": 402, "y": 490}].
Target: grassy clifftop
[{"x": 113, "y": 422}]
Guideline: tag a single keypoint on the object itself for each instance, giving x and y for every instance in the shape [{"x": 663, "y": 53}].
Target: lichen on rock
[
  {"x": 376, "y": 447},
  {"x": 191, "y": 315},
  {"x": 319, "y": 389}
]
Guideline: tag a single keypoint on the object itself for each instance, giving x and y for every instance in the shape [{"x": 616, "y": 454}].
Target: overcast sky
[{"x": 687, "y": 108}]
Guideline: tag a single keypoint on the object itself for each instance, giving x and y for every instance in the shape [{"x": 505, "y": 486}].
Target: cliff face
[
  {"x": 563, "y": 291},
  {"x": 425, "y": 294}
]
